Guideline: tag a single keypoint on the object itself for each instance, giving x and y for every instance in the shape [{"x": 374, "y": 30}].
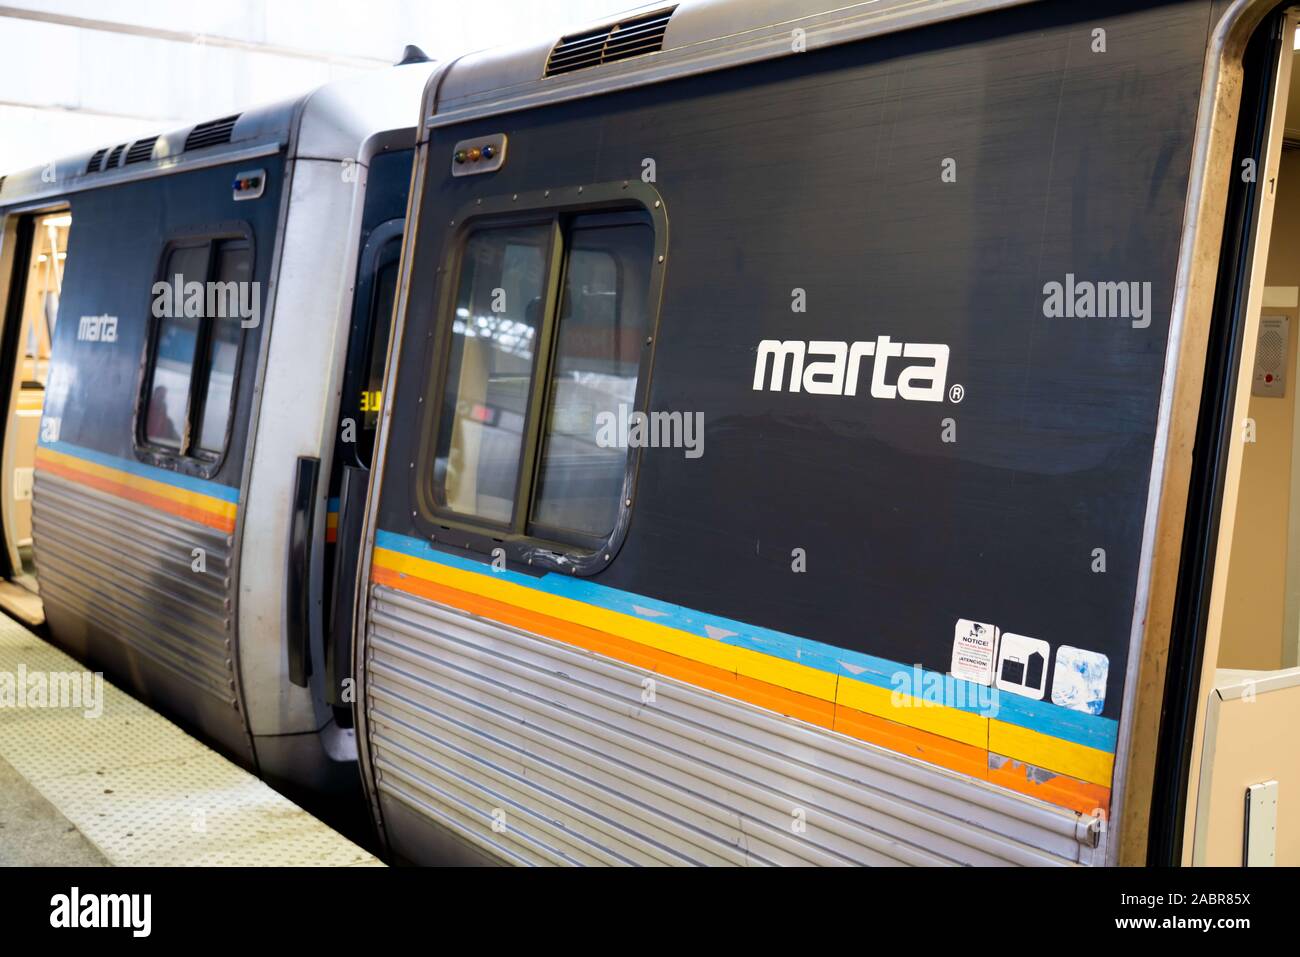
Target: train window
[
  {"x": 602, "y": 325},
  {"x": 495, "y": 331},
  {"x": 190, "y": 379},
  {"x": 234, "y": 264},
  {"x": 548, "y": 328},
  {"x": 176, "y": 342},
  {"x": 381, "y": 321}
]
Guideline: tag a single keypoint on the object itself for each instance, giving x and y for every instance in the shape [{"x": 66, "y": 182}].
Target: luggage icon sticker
[{"x": 1022, "y": 665}]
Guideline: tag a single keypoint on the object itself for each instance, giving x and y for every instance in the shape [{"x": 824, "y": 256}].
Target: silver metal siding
[
  {"x": 466, "y": 717},
  {"x": 126, "y": 568}
]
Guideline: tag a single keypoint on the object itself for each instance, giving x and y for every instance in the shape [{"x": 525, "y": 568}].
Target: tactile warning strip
[{"x": 139, "y": 788}]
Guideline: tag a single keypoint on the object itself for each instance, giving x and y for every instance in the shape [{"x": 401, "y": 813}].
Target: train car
[
  {"x": 811, "y": 436},
  {"x": 190, "y": 325}
]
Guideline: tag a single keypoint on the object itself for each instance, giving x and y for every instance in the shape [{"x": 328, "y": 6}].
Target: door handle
[{"x": 298, "y": 591}]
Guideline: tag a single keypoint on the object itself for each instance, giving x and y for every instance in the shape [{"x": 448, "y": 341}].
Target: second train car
[{"x": 198, "y": 322}]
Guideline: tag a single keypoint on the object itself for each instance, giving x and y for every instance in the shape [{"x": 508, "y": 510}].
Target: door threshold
[{"x": 20, "y": 603}]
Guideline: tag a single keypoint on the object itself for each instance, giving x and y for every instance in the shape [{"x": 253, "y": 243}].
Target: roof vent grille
[
  {"x": 211, "y": 133},
  {"x": 115, "y": 156},
  {"x": 97, "y": 161},
  {"x": 141, "y": 151},
  {"x": 629, "y": 38}
]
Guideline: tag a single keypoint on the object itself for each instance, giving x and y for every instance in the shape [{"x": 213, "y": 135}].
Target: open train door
[
  {"x": 1227, "y": 768},
  {"x": 33, "y": 255}
]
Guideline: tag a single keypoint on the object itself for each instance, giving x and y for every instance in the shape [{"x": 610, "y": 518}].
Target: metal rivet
[
  {"x": 607, "y": 557},
  {"x": 627, "y": 501},
  {"x": 656, "y": 204},
  {"x": 546, "y": 192},
  {"x": 661, "y": 258},
  {"x": 579, "y": 189},
  {"x": 452, "y": 223},
  {"x": 625, "y": 187},
  {"x": 514, "y": 197},
  {"x": 649, "y": 339}
]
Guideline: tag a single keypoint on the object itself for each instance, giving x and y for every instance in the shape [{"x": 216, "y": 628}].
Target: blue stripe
[
  {"x": 187, "y": 482},
  {"x": 1092, "y": 731}
]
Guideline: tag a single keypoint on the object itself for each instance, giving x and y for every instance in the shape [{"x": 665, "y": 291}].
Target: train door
[
  {"x": 1227, "y": 735},
  {"x": 40, "y": 244},
  {"x": 363, "y": 379}
]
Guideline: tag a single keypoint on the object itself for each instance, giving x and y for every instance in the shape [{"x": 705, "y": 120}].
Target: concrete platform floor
[
  {"x": 33, "y": 832},
  {"x": 110, "y": 781}
]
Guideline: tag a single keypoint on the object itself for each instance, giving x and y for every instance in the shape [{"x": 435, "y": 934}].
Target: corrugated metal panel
[
  {"x": 470, "y": 722},
  {"x": 126, "y": 569}
]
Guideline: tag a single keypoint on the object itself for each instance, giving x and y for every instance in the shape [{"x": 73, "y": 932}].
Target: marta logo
[{"x": 833, "y": 368}]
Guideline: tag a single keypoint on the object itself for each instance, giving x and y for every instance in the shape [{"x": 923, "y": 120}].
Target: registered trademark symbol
[{"x": 957, "y": 392}]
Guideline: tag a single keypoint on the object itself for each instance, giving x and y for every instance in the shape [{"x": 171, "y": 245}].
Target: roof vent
[
  {"x": 211, "y": 133},
  {"x": 115, "y": 156},
  {"x": 141, "y": 151},
  {"x": 412, "y": 54},
  {"x": 629, "y": 38},
  {"x": 97, "y": 161}
]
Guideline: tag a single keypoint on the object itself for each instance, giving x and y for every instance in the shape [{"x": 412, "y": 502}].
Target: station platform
[{"x": 113, "y": 783}]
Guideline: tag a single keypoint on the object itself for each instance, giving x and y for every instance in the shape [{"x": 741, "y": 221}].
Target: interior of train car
[
  {"x": 35, "y": 277},
  {"x": 1250, "y": 695}
]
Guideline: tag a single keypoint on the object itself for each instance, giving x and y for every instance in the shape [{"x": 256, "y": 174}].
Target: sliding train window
[
  {"x": 372, "y": 321},
  {"x": 203, "y": 293},
  {"x": 548, "y": 332}
]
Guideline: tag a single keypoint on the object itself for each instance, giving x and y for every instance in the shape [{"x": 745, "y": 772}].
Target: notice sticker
[{"x": 974, "y": 649}]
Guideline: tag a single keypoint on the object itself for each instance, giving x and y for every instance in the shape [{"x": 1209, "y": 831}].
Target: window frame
[
  {"x": 190, "y": 461},
  {"x": 360, "y": 353},
  {"x": 521, "y": 539}
]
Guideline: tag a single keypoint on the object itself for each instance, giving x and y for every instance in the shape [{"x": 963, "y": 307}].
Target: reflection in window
[
  {"x": 177, "y": 340},
  {"x": 497, "y": 322},
  {"x": 234, "y": 264},
  {"x": 602, "y": 326},
  {"x": 381, "y": 320},
  {"x": 191, "y": 379}
]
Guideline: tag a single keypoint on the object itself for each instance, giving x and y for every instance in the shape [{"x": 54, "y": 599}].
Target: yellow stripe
[
  {"x": 208, "y": 503},
  {"x": 1022, "y": 744},
  {"x": 937, "y": 719},
  {"x": 1054, "y": 754},
  {"x": 742, "y": 661}
]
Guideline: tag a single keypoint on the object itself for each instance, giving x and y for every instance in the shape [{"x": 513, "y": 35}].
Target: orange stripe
[
  {"x": 1077, "y": 795},
  {"x": 782, "y": 700},
  {"x": 191, "y": 512},
  {"x": 923, "y": 745}
]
